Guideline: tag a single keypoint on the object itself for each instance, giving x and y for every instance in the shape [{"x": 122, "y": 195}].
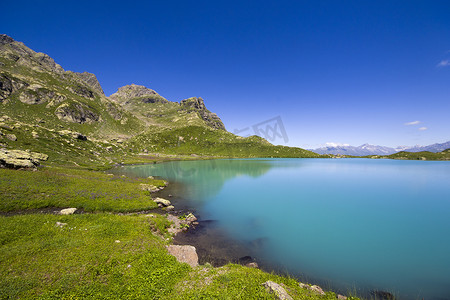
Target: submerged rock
[
  {"x": 277, "y": 289},
  {"x": 184, "y": 254}
]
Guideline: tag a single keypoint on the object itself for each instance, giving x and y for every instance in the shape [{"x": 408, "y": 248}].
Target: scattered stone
[
  {"x": 59, "y": 224},
  {"x": 162, "y": 201},
  {"x": 11, "y": 137},
  {"x": 117, "y": 241},
  {"x": 68, "y": 211},
  {"x": 341, "y": 297},
  {"x": 252, "y": 265},
  {"x": 170, "y": 207},
  {"x": 73, "y": 134},
  {"x": 315, "y": 288},
  {"x": 276, "y": 289},
  {"x": 149, "y": 187},
  {"x": 190, "y": 218},
  {"x": 184, "y": 254},
  {"x": 6, "y": 127},
  {"x": 34, "y": 134}
]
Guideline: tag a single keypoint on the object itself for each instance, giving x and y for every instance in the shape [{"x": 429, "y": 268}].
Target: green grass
[
  {"x": 94, "y": 256},
  {"x": 206, "y": 141},
  {"x": 424, "y": 155},
  {"x": 56, "y": 187}
]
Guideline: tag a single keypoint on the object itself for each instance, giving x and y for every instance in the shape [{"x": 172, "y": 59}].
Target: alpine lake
[{"x": 355, "y": 226}]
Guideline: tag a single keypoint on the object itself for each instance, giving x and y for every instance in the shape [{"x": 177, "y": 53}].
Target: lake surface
[{"x": 350, "y": 224}]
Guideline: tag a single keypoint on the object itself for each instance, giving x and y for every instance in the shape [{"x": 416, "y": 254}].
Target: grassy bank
[{"x": 102, "y": 254}]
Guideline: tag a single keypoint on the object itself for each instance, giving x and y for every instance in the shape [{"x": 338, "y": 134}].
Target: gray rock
[
  {"x": 4, "y": 39},
  {"x": 9, "y": 85},
  {"x": 68, "y": 211},
  {"x": 16, "y": 159},
  {"x": 145, "y": 95},
  {"x": 77, "y": 113},
  {"x": 91, "y": 80},
  {"x": 184, "y": 254},
  {"x": 11, "y": 137},
  {"x": 162, "y": 201},
  {"x": 82, "y": 91},
  {"x": 341, "y": 297},
  {"x": 48, "y": 63},
  {"x": 170, "y": 207},
  {"x": 315, "y": 288},
  {"x": 277, "y": 289},
  {"x": 60, "y": 224},
  {"x": 198, "y": 105},
  {"x": 73, "y": 134}
]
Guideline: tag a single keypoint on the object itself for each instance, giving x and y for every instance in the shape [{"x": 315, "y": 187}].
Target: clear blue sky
[{"x": 349, "y": 72}]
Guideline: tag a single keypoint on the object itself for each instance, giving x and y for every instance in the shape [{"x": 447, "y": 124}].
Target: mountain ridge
[
  {"x": 43, "y": 108},
  {"x": 367, "y": 149}
]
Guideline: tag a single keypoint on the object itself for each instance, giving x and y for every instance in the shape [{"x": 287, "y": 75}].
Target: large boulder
[
  {"x": 277, "y": 289},
  {"x": 17, "y": 159},
  {"x": 184, "y": 254}
]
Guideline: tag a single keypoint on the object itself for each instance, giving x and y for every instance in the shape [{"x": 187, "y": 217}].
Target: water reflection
[{"x": 202, "y": 179}]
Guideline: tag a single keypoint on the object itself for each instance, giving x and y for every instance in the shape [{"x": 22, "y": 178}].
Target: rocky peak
[
  {"x": 4, "y": 39},
  {"x": 145, "y": 95},
  {"x": 133, "y": 91},
  {"x": 198, "y": 105},
  {"x": 194, "y": 102},
  {"x": 91, "y": 80}
]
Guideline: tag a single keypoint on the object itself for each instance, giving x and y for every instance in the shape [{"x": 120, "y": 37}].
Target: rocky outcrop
[
  {"x": 277, "y": 289},
  {"x": 125, "y": 94},
  {"x": 9, "y": 85},
  {"x": 77, "y": 113},
  {"x": 35, "y": 94},
  {"x": 17, "y": 159},
  {"x": 91, "y": 80},
  {"x": 82, "y": 91},
  {"x": 184, "y": 254},
  {"x": 73, "y": 134},
  {"x": 198, "y": 105},
  {"x": 48, "y": 63},
  {"x": 4, "y": 39}
]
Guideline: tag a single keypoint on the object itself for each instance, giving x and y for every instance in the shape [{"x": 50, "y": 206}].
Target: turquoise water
[{"x": 356, "y": 224}]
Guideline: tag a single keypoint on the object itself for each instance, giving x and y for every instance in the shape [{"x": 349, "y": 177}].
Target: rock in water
[
  {"x": 277, "y": 289},
  {"x": 184, "y": 253}
]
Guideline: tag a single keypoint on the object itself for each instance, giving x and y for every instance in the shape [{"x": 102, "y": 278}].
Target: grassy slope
[
  {"x": 424, "y": 155},
  {"x": 103, "y": 255}
]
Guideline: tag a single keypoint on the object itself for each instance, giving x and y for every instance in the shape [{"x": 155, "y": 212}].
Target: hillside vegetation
[
  {"x": 66, "y": 115},
  {"x": 423, "y": 155}
]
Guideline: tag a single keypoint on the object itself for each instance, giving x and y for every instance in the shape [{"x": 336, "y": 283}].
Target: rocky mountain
[
  {"x": 362, "y": 150},
  {"x": 44, "y": 108},
  {"x": 438, "y": 147},
  {"x": 367, "y": 149}
]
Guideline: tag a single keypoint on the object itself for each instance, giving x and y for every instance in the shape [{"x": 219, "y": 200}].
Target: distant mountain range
[{"x": 367, "y": 149}]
